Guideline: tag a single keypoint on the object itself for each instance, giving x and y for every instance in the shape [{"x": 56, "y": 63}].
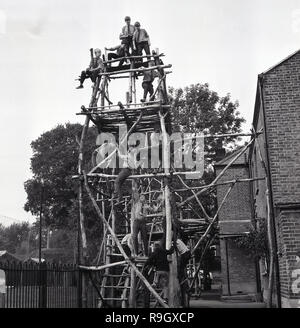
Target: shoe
[
  {"x": 143, "y": 100},
  {"x": 80, "y": 86}
]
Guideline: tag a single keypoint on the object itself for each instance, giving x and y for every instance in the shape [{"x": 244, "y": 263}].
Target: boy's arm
[
  {"x": 133, "y": 40},
  {"x": 91, "y": 64},
  {"x": 148, "y": 38},
  {"x": 113, "y": 48},
  {"x": 171, "y": 250},
  {"x": 100, "y": 66},
  {"x": 122, "y": 34}
]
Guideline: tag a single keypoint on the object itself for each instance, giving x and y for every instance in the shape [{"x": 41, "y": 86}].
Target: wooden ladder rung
[
  {"x": 116, "y": 275},
  {"x": 119, "y": 287},
  {"x": 115, "y": 299}
]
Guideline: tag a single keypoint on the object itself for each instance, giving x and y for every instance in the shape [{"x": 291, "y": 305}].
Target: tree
[
  {"x": 255, "y": 243},
  {"x": 13, "y": 236},
  {"x": 54, "y": 162},
  {"x": 197, "y": 109}
]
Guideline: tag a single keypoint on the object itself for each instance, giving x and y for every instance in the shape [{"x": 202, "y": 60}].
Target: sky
[{"x": 44, "y": 44}]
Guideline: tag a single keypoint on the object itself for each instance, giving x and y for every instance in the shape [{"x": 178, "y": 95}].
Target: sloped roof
[
  {"x": 5, "y": 255},
  {"x": 240, "y": 161},
  {"x": 281, "y": 62}
]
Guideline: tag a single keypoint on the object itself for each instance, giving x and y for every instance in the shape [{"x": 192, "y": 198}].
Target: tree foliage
[
  {"x": 255, "y": 243},
  {"x": 54, "y": 162},
  {"x": 14, "y": 236},
  {"x": 196, "y": 108}
]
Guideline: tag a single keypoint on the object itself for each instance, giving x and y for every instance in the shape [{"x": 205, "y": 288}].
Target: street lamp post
[{"x": 40, "y": 230}]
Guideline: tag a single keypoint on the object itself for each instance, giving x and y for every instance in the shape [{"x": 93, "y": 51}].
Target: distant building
[
  {"x": 238, "y": 270},
  {"x": 5, "y": 256}
]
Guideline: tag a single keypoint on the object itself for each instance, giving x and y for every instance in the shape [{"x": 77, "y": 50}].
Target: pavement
[{"x": 212, "y": 299}]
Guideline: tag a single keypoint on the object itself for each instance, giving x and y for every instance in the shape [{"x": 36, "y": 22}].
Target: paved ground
[
  {"x": 200, "y": 303},
  {"x": 213, "y": 299}
]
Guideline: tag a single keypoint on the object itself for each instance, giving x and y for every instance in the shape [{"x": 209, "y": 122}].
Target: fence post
[
  {"x": 43, "y": 285},
  {"x": 2, "y": 288},
  {"x": 79, "y": 288}
]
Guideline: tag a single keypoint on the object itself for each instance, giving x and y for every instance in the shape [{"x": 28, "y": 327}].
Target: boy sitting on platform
[
  {"x": 148, "y": 79},
  {"x": 120, "y": 53},
  {"x": 96, "y": 66}
]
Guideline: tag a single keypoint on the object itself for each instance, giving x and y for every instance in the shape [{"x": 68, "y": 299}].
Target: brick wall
[
  {"x": 281, "y": 89},
  {"x": 235, "y": 215},
  {"x": 288, "y": 245},
  {"x": 281, "y": 94},
  {"x": 235, "y": 218},
  {"x": 240, "y": 269}
]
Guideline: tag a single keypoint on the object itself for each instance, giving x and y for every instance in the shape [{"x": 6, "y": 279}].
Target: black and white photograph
[{"x": 150, "y": 157}]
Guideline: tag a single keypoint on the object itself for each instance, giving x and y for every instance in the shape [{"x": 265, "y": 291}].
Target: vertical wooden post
[
  {"x": 134, "y": 89},
  {"x": 131, "y": 78},
  {"x": 82, "y": 251},
  {"x": 125, "y": 292},
  {"x": 174, "y": 287},
  {"x": 132, "y": 294}
]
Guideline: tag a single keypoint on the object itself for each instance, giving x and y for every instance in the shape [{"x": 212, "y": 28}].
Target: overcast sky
[{"x": 44, "y": 44}]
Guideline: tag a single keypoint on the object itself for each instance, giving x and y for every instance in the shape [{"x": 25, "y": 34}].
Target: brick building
[
  {"x": 277, "y": 111},
  {"x": 276, "y": 156},
  {"x": 238, "y": 271}
]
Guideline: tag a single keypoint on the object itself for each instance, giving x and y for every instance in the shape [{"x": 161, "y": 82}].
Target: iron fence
[{"x": 45, "y": 285}]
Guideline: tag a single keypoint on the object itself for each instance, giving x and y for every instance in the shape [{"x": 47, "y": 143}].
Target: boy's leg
[
  {"x": 139, "y": 48},
  {"x": 145, "y": 87},
  {"x": 147, "y": 49},
  {"x": 143, "y": 230},
  {"x": 93, "y": 76},
  {"x": 151, "y": 91},
  {"x": 122, "y": 176},
  {"x": 135, "y": 231},
  {"x": 112, "y": 55},
  {"x": 128, "y": 45},
  {"x": 83, "y": 76},
  {"x": 121, "y": 62}
]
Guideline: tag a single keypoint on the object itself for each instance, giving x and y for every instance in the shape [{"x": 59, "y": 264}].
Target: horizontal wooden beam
[
  {"x": 102, "y": 267},
  {"x": 126, "y": 109},
  {"x": 131, "y": 57},
  {"x": 138, "y": 176},
  {"x": 152, "y": 68},
  {"x": 220, "y": 184}
]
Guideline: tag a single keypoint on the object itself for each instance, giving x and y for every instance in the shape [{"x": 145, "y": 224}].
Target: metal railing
[{"x": 45, "y": 285}]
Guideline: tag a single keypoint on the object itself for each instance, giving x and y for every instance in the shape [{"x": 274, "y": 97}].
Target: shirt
[
  {"x": 149, "y": 76},
  {"x": 137, "y": 211},
  {"x": 127, "y": 31},
  {"x": 130, "y": 159},
  {"x": 181, "y": 247},
  {"x": 159, "y": 259},
  {"x": 127, "y": 240},
  {"x": 96, "y": 62},
  {"x": 140, "y": 36}
]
